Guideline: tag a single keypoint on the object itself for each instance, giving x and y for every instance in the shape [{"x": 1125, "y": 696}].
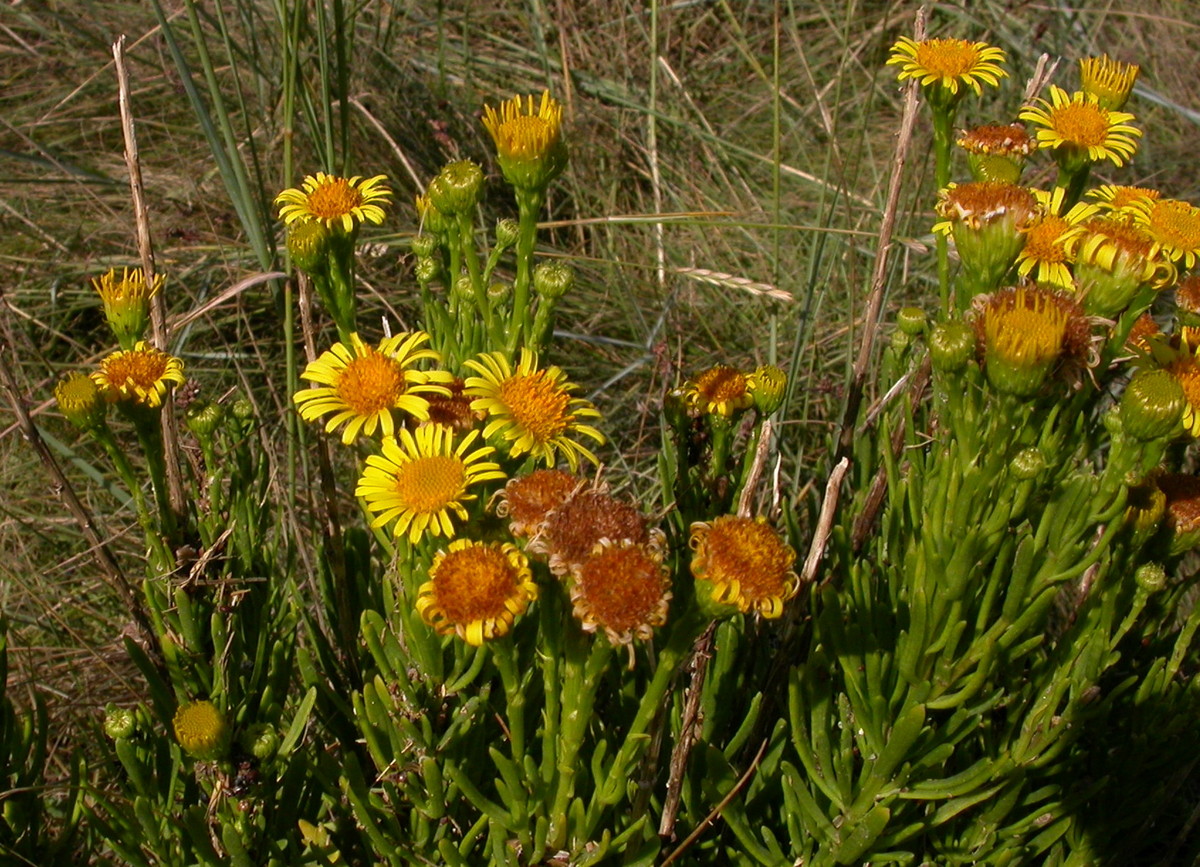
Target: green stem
[
  {"x": 529, "y": 205},
  {"x": 162, "y": 561},
  {"x": 943, "y": 140},
  {"x": 504, "y": 651}
]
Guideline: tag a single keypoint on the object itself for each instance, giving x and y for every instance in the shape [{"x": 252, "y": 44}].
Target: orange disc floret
[{"x": 527, "y": 501}]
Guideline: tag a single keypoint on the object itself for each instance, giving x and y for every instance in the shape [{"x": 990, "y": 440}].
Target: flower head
[
  {"x": 476, "y": 590},
  {"x": 422, "y": 481},
  {"x": 1114, "y": 258},
  {"x": 202, "y": 731},
  {"x": 988, "y": 220},
  {"x": 79, "y": 399},
  {"x": 1152, "y": 405},
  {"x": 531, "y": 409},
  {"x": 1109, "y": 81},
  {"x": 997, "y": 152},
  {"x": 1173, "y": 225},
  {"x": 1078, "y": 128},
  {"x": 1050, "y": 241},
  {"x": 1115, "y": 197},
  {"x": 623, "y": 588},
  {"x": 1024, "y": 332},
  {"x": 948, "y": 64},
  {"x": 768, "y": 387},
  {"x": 744, "y": 563},
  {"x": 140, "y": 376},
  {"x": 528, "y": 500},
  {"x": 339, "y": 203},
  {"x": 571, "y": 530},
  {"x": 126, "y": 302},
  {"x": 1184, "y": 367},
  {"x": 362, "y": 385},
  {"x": 720, "y": 390},
  {"x": 528, "y": 138},
  {"x": 1183, "y": 509}
]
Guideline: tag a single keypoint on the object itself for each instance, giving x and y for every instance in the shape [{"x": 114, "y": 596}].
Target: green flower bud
[
  {"x": 507, "y": 233},
  {"x": 498, "y": 291},
  {"x": 119, "y": 722},
  {"x": 260, "y": 740},
  {"x": 912, "y": 321},
  {"x": 463, "y": 285},
  {"x": 426, "y": 270},
  {"x": 456, "y": 188},
  {"x": 553, "y": 280},
  {"x": 951, "y": 346},
  {"x": 203, "y": 418},
  {"x": 1152, "y": 405},
  {"x": 768, "y": 385},
  {"x": 126, "y": 302},
  {"x": 308, "y": 245},
  {"x": 243, "y": 410},
  {"x": 1027, "y": 464},
  {"x": 424, "y": 245},
  {"x": 1151, "y": 577}
]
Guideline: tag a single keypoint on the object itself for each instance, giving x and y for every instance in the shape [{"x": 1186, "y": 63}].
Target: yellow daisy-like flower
[
  {"x": 476, "y": 590},
  {"x": 1050, "y": 239},
  {"x": 79, "y": 399},
  {"x": 1115, "y": 197},
  {"x": 1024, "y": 332},
  {"x": 202, "y": 730},
  {"x": 531, "y": 408},
  {"x": 422, "y": 480},
  {"x": 950, "y": 63},
  {"x": 622, "y": 588},
  {"x": 126, "y": 301},
  {"x": 744, "y": 563},
  {"x": 528, "y": 138},
  {"x": 1113, "y": 259},
  {"x": 1078, "y": 124},
  {"x": 1174, "y": 225},
  {"x": 1109, "y": 81},
  {"x": 337, "y": 202},
  {"x": 362, "y": 385},
  {"x": 140, "y": 376},
  {"x": 720, "y": 390}
]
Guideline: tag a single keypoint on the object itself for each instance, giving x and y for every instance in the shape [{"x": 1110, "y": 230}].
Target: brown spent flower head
[
  {"x": 980, "y": 203},
  {"x": 720, "y": 390},
  {"x": 744, "y": 563},
  {"x": 1109, "y": 81},
  {"x": 1187, "y": 294},
  {"x": 623, "y": 588},
  {"x": 1024, "y": 332},
  {"x": 1183, "y": 509},
  {"x": 571, "y": 531},
  {"x": 452, "y": 410},
  {"x": 1007, "y": 139},
  {"x": 527, "y": 500},
  {"x": 476, "y": 590}
]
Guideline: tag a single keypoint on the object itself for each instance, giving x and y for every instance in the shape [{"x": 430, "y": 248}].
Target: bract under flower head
[
  {"x": 362, "y": 385},
  {"x": 949, "y": 64},
  {"x": 528, "y": 138},
  {"x": 423, "y": 480},
  {"x": 1024, "y": 332},
  {"x": 1174, "y": 226},
  {"x": 476, "y": 590},
  {"x": 1077, "y": 127},
  {"x": 339, "y": 203},
  {"x": 743, "y": 563},
  {"x": 528, "y": 500},
  {"x": 622, "y": 588},
  {"x": 1109, "y": 81},
  {"x": 126, "y": 302},
  {"x": 140, "y": 376},
  {"x": 531, "y": 409}
]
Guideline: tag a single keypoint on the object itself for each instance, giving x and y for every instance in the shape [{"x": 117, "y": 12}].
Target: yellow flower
[
  {"x": 720, "y": 390},
  {"x": 1114, "y": 197},
  {"x": 1174, "y": 225},
  {"x": 527, "y": 500},
  {"x": 1050, "y": 241},
  {"x": 337, "y": 202},
  {"x": 421, "y": 480},
  {"x": 362, "y": 384},
  {"x": 127, "y": 303},
  {"x": 1024, "y": 332},
  {"x": 1076, "y": 125},
  {"x": 79, "y": 399},
  {"x": 1113, "y": 259},
  {"x": 140, "y": 376},
  {"x": 476, "y": 590},
  {"x": 531, "y": 409},
  {"x": 949, "y": 63},
  {"x": 1186, "y": 371},
  {"x": 744, "y": 563},
  {"x": 529, "y": 143},
  {"x": 1109, "y": 81},
  {"x": 623, "y": 588},
  {"x": 988, "y": 220},
  {"x": 202, "y": 731}
]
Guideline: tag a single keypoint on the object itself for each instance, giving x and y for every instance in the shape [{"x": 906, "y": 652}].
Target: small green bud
[
  {"x": 203, "y": 418},
  {"x": 768, "y": 385},
  {"x": 243, "y": 410},
  {"x": 1027, "y": 464},
  {"x": 456, "y": 188},
  {"x": 900, "y": 342},
  {"x": 951, "y": 346},
  {"x": 308, "y": 244},
  {"x": 507, "y": 233},
  {"x": 260, "y": 740},
  {"x": 463, "y": 285},
  {"x": 426, "y": 270},
  {"x": 424, "y": 245},
  {"x": 553, "y": 280},
  {"x": 498, "y": 291},
  {"x": 912, "y": 321},
  {"x": 119, "y": 722},
  {"x": 1152, "y": 405},
  {"x": 1151, "y": 577}
]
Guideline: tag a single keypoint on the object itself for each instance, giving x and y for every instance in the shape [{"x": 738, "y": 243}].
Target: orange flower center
[
  {"x": 537, "y": 404},
  {"x": 1187, "y": 372},
  {"x": 474, "y": 584},
  {"x": 1043, "y": 241},
  {"x": 1081, "y": 123},
  {"x": 949, "y": 58},
  {"x": 333, "y": 198},
  {"x": 750, "y": 553},
  {"x": 1176, "y": 224},
  {"x": 370, "y": 383},
  {"x": 529, "y": 499},
  {"x": 721, "y": 384},
  {"x": 622, "y": 588},
  {"x": 139, "y": 370},
  {"x": 429, "y": 484}
]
